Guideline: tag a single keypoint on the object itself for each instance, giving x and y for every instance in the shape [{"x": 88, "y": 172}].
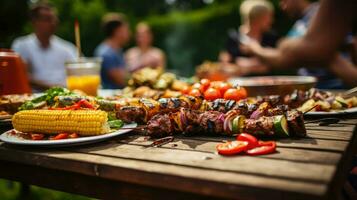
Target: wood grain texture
[
  {"x": 308, "y": 168},
  {"x": 291, "y": 154},
  {"x": 210, "y": 182}
]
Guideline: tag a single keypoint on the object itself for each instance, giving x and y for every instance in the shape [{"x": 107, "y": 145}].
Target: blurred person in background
[
  {"x": 144, "y": 54},
  {"x": 304, "y": 10},
  {"x": 113, "y": 71},
  {"x": 346, "y": 69},
  {"x": 300, "y": 10},
  {"x": 43, "y": 52},
  {"x": 257, "y": 18}
]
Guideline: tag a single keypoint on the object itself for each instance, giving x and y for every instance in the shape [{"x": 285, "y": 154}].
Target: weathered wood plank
[
  {"x": 343, "y": 167},
  {"x": 92, "y": 186},
  {"x": 344, "y": 121},
  {"x": 330, "y": 135},
  {"x": 298, "y": 143},
  {"x": 298, "y": 155},
  {"x": 332, "y": 127},
  {"x": 241, "y": 164},
  {"x": 316, "y": 144},
  {"x": 181, "y": 178}
]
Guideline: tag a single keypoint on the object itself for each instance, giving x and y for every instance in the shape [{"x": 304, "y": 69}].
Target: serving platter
[
  {"x": 13, "y": 137},
  {"x": 274, "y": 85},
  {"x": 348, "y": 111}
]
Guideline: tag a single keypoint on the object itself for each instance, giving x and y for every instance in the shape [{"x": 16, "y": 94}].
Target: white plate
[
  {"x": 7, "y": 137},
  {"x": 337, "y": 112}
]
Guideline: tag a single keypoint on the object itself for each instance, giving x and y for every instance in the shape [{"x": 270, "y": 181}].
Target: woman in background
[{"x": 144, "y": 54}]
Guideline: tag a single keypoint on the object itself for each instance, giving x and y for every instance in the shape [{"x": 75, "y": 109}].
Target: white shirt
[{"x": 45, "y": 64}]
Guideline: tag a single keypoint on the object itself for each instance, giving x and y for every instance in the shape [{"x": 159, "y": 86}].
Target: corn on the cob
[{"x": 82, "y": 122}]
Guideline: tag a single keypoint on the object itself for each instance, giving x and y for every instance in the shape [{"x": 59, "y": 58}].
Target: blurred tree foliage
[{"x": 188, "y": 31}]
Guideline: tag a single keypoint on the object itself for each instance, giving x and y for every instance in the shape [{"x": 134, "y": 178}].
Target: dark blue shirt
[{"x": 111, "y": 59}]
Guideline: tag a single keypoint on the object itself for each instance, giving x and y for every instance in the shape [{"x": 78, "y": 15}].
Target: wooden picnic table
[{"x": 188, "y": 168}]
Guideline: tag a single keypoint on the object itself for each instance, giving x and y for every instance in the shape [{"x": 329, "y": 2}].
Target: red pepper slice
[
  {"x": 73, "y": 135},
  {"x": 85, "y": 103},
  {"x": 72, "y": 107},
  {"x": 233, "y": 147},
  {"x": 60, "y": 136},
  {"x": 263, "y": 148},
  {"x": 252, "y": 141},
  {"x": 37, "y": 136}
]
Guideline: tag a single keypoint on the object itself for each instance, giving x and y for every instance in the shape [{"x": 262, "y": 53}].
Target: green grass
[{"x": 10, "y": 190}]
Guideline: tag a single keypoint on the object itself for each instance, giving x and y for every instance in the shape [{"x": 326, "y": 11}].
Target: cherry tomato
[
  {"x": 185, "y": 90},
  {"x": 223, "y": 87},
  {"x": 252, "y": 141},
  {"x": 235, "y": 94},
  {"x": 242, "y": 92},
  {"x": 196, "y": 86},
  {"x": 73, "y": 135},
  {"x": 61, "y": 136},
  {"x": 215, "y": 84},
  {"x": 37, "y": 136},
  {"x": 263, "y": 148},
  {"x": 232, "y": 94},
  {"x": 195, "y": 92},
  {"x": 233, "y": 147},
  {"x": 205, "y": 83},
  {"x": 212, "y": 94}
]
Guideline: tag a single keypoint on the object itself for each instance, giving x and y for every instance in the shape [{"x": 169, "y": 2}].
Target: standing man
[
  {"x": 113, "y": 72},
  {"x": 44, "y": 53}
]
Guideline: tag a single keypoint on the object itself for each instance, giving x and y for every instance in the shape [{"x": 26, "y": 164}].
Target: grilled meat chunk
[
  {"x": 131, "y": 114},
  {"x": 160, "y": 126},
  {"x": 262, "y": 126},
  {"x": 212, "y": 122},
  {"x": 222, "y": 105},
  {"x": 172, "y": 104},
  {"x": 296, "y": 123}
]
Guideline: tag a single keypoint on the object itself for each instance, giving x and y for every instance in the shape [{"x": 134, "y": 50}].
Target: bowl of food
[{"x": 274, "y": 85}]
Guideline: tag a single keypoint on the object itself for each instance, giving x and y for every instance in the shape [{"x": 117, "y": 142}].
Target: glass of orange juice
[{"x": 84, "y": 74}]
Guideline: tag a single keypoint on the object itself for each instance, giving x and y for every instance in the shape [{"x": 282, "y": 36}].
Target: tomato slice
[
  {"x": 232, "y": 147},
  {"x": 263, "y": 148},
  {"x": 252, "y": 141},
  {"x": 37, "y": 136},
  {"x": 61, "y": 136}
]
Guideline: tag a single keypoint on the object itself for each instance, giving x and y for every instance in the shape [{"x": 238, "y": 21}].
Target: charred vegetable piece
[
  {"x": 116, "y": 124},
  {"x": 281, "y": 126},
  {"x": 238, "y": 124},
  {"x": 106, "y": 105},
  {"x": 131, "y": 114}
]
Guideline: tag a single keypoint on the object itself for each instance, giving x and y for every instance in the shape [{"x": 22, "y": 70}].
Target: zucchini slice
[
  {"x": 281, "y": 127},
  {"x": 238, "y": 124}
]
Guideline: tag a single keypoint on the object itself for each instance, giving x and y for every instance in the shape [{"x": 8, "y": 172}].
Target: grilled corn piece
[{"x": 82, "y": 122}]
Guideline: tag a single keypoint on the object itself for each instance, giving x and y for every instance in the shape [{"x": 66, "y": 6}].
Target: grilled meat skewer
[{"x": 214, "y": 122}]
